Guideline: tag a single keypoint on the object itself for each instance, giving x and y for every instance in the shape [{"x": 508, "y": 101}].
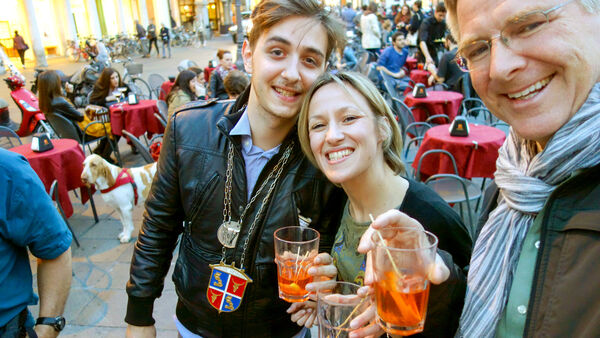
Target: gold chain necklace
[{"x": 228, "y": 283}]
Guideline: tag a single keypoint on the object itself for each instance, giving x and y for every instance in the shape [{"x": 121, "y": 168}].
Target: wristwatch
[{"x": 57, "y": 322}]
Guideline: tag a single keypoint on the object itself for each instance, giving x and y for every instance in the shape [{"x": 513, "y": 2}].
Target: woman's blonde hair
[{"x": 392, "y": 143}]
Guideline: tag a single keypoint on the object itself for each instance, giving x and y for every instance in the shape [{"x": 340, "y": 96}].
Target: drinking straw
[
  {"x": 339, "y": 327},
  {"x": 386, "y": 249}
]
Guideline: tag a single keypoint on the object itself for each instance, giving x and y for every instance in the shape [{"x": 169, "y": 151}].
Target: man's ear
[{"x": 247, "y": 56}]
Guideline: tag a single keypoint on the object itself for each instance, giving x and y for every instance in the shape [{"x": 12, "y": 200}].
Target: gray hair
[{"x": 592, "y": 6}]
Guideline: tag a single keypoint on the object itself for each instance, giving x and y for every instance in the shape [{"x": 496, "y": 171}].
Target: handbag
[{"x": 26, "y": 46}]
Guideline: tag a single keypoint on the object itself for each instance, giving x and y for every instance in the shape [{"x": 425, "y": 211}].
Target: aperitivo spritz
[
  {"x": 293, "y": 277},
  {"x": 401, "y": 303}
]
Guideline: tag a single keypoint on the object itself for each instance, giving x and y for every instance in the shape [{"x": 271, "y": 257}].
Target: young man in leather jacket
[{"x": 226, "y": 164}]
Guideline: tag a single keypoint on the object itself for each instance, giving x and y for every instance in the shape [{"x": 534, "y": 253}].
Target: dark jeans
[
  {"x": 150, "y": 42},
  {"x": 17, "y": 327},
  {"x": 22, "y": 55}
]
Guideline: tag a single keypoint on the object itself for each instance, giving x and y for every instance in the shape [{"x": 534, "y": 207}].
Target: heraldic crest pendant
[{"x": 226, "y": 287}]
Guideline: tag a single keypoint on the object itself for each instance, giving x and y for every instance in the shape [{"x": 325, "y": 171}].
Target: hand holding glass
[
  {"x": 403, "y": 258},
  {"x": 295, "y": 250},
  {"x": 337, "y": 307}
]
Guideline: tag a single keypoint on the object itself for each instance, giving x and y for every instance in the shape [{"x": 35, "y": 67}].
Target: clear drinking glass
[
  {"x": 337, "y": 307},
  {"x": 402, "y": 260},
  {"x": 295, "y": 251}
]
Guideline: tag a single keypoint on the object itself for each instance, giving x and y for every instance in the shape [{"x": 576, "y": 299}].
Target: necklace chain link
[{"x": 277, "y": 170}]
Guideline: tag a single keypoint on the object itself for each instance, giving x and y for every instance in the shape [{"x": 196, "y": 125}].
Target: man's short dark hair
[
  {"x": 364, "y": 7},
  {"x": 419, "y": 4},
  {"x": 440, "y": 8},
  {"x": 349, "y": 4},
  {"x": 396, "y": 35},
  {"x": 235, "y": 82},
  {"x": 268, "y": 13}
]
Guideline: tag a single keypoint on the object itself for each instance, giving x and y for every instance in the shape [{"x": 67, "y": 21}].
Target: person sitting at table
[
  {"x": 217, "y": 76},
  {"x": 183, "y": 91},
  {"x": 392, "y": 61},
  {"x": 347, "y": 130},
  {"x": 448, "y": 72},
  {"x": 200, "y": 85},
  {"x": 106, "y": 93},
  {"x": 52, "y": 101},
  {"x": 106, "y": 89},
  {"x": 235, "y": 83},
  {"x": 346, "y": 58}
]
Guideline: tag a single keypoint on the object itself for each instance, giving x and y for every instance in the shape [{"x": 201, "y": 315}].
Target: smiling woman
[{"x": 347, "y": 130}]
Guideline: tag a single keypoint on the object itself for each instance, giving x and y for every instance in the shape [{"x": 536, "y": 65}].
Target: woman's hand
[
  {"x": 394, "y": 218},
  {"x": 324, "y": 274},
  {"x": 304, "y": 314}
]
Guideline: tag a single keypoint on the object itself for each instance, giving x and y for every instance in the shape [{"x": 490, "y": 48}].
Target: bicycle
[{"x": 132, "y": 79}]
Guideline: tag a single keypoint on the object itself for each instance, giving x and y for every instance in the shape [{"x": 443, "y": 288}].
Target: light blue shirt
[{"x": 254, "y": 157}]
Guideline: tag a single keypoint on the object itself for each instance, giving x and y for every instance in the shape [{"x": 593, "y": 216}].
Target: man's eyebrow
[{"x": 288, "y": 43}]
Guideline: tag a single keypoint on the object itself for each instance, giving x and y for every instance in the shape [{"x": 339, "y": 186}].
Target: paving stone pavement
[{"x": 97, "y": 302}]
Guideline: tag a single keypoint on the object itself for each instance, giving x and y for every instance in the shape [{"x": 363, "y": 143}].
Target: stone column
[
  {"x": 34, "y": 35},
  {"x": 143, "y": 13},
  {"x": 175, "y": 12},
  {"x": 93, "y": 21},
  {"x": 120, "y": 16},
  {"x": 161, "y": 14}
]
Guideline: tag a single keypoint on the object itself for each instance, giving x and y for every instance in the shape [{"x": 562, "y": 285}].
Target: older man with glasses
[{"x": 536, "y": 66}]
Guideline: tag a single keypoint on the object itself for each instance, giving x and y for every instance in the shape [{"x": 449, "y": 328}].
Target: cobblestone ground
[{"x": 97, "y": 301}]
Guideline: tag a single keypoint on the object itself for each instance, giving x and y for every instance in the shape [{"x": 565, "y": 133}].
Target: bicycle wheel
[{"x": 141, "y": 88}]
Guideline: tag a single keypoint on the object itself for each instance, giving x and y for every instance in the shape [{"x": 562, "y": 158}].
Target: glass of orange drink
[
  {"x": 402, "y": 260},
  {"x": 295, "y": 250}
]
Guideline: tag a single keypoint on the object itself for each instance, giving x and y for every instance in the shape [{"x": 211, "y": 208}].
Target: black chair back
[
  {"x": 63, "y": 127},
  {"x": 9, "y": 134},
  {"x": 141, "y": 148}
]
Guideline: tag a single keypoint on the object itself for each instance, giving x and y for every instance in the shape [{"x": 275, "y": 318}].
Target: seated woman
[
  {"x": 106, "y": 93},
  {"x": 217, "y": 76},
  {"x": 200, "y": 88},
  {"x": 183, "y": 91},
  {"x": 106, "y": 89},
  {"x": 52, "y": 101},
  {"x": 348, "y": 131}
]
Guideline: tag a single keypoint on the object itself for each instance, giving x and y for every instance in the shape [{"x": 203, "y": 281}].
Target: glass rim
[
  {"x": 322, "y": 292},
  {"x": 277, "y": 238},
  {"x": 429, "y": 233}
]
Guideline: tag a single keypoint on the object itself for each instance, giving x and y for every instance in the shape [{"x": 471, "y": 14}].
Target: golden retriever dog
[{"x": 121, "y": 188}]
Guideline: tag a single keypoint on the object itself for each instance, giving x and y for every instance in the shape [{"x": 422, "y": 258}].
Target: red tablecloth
[
  {"x": 420, "y": 76},
  {"x": 411, "y": 63},
  {"x": 136, "y": 119},
  {"x": 64, "y": 163},
  {"x": 165, "y": 89},
  {"x": 472, "y": 160},
  {"x": 436, "y": 102}
]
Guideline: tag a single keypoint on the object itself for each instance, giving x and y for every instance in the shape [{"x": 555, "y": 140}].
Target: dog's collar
[{"x": 123, "y": 178}]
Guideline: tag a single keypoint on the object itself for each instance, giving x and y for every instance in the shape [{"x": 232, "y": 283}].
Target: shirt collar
[{"x": 242, "y": 128}]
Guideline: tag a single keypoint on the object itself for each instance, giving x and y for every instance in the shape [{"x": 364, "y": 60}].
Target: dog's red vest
[{"x": 123, "y": 178}]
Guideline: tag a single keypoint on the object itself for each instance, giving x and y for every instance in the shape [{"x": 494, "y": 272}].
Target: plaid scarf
[{"x": 525, "y": 180}]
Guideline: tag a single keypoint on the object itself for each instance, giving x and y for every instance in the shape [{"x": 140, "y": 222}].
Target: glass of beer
[
  {"x": 295, "y": 250},
  {"x": 337, "y": 307},
  {"x": 402, "y": 260}
]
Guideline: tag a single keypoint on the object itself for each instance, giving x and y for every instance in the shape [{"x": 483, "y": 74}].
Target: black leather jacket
[
  {"x": 189, "y": 187},
  {"x": 60, "y": 105}
]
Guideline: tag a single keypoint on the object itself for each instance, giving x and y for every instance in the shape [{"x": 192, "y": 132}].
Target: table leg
[{"x": 93, "y": 204}]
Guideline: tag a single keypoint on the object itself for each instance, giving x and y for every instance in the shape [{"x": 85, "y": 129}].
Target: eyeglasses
[{"x": 515, "y": 35}]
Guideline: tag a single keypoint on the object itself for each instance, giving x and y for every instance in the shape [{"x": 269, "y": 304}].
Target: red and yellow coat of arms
[{"x": 226, "y": 287}]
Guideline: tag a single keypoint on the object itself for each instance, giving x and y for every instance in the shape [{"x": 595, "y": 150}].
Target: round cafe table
[
  {"x": 136, "y": 119},
  {"x": 64, "y": 163},
  {"x": 475, "y": 154},
  {"x": 436, "y": 102},
  {"x": 420, "y": 76}
]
